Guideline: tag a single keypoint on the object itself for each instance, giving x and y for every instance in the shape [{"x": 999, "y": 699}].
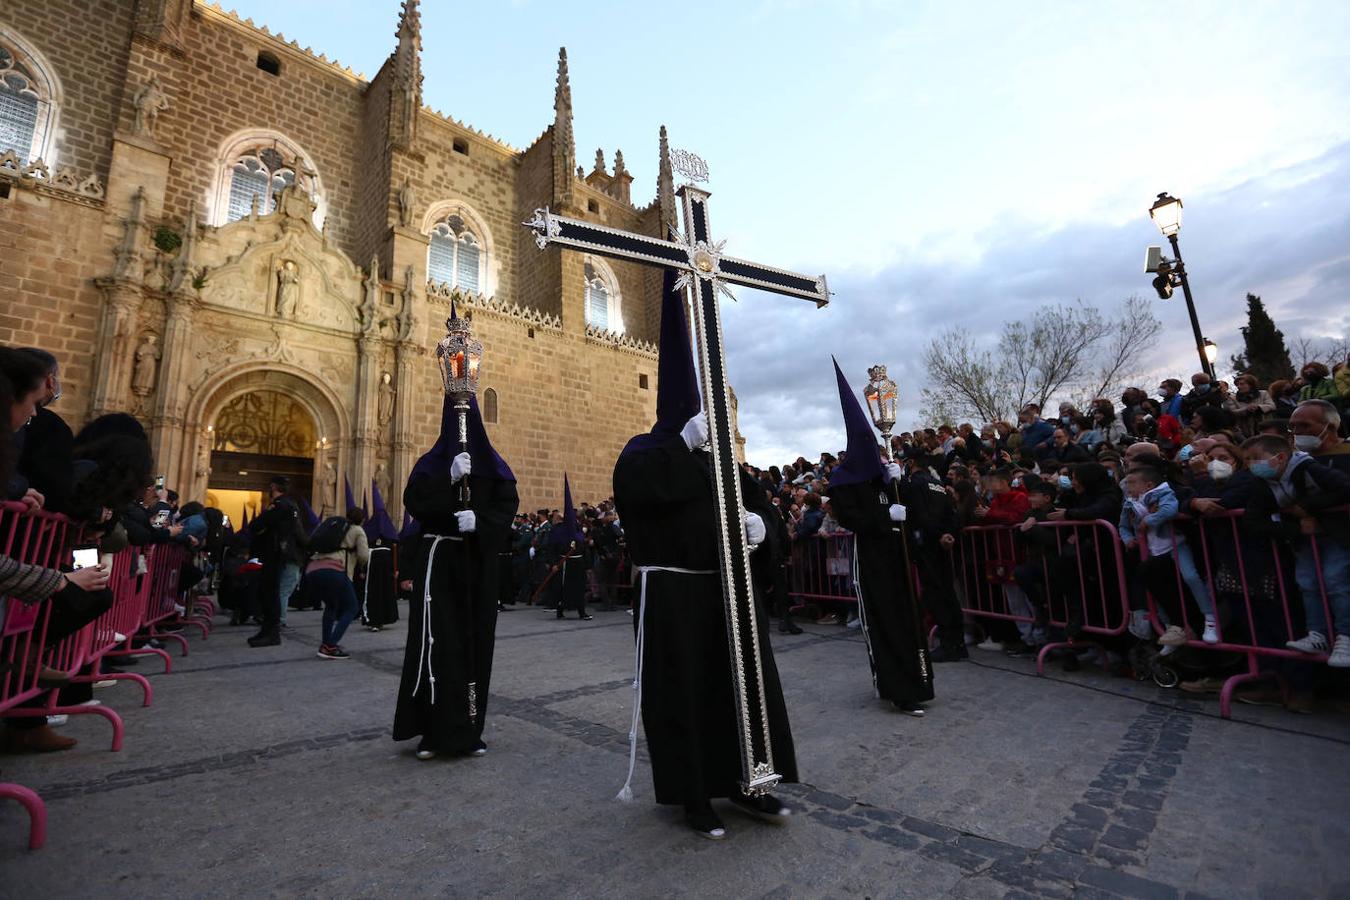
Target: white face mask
[
  {"x": 1309, "y": 442},
  {"x": 1220, "y": 470}
]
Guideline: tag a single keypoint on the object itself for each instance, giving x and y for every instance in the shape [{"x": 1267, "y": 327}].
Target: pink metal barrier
[
  {"x": 1076, "y": 579},
  {"x": 821, "y": 568},
  {"x": 1257, "y": 600}
]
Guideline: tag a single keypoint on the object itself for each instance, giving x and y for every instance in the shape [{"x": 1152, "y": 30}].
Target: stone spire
[
  {"x": 407, "y": 84},
  {"x": 665, "y": 183},
  {"x": 599, "y": 160},
  {"x": 620, "y": 185},
  {"x": 564, "y": 144}
]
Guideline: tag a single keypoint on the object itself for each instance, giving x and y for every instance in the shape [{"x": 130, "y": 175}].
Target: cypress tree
[{"x": 1264, "y": 354}]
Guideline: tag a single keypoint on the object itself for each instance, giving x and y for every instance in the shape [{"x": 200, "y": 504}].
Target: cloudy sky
[{"x": 943, "y": 163}]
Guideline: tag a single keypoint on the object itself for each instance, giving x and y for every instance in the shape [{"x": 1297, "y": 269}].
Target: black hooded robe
[
  {"x": 460, "y": 579},
  {"x": 665, "y": 498},
  {"x": 897, "y": 647},
  {"x": 379, "y": 603}
]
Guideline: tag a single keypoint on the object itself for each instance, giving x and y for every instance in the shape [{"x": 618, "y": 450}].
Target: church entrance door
[{"x": 256, "y": 436}]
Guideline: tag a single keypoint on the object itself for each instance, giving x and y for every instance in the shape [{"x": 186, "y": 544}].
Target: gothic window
[
  {"x": 28, "y": 103},
  {"x": 267, "y": 423},
  {"x": 455, "y": 256},
  {"x": 490, "y": 406},
  {"x": 602, "y": 297},
  {"x": 259, "y": 165}
]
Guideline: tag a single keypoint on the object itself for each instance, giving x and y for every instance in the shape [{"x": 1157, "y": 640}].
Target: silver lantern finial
[
  {"x": 882, "y": 396},
  {"x": 459, "y": 355}
]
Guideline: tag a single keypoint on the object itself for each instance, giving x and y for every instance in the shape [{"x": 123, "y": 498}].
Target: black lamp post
[{"x": 1166, "y": 214}]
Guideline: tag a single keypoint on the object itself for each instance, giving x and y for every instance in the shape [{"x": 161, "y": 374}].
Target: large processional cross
[{"x": 703, "y": 267}]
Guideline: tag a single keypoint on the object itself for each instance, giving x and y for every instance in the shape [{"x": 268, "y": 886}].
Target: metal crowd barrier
[
  {"x": 1258, "y": 603},
  {"x": 820, "y": 567},
  {"x": 1077, "y": 579},
  {"x": 144, "y": 585}
]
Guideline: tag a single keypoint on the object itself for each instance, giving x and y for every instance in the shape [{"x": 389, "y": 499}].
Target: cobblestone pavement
[{"x": 271, "y": 773}]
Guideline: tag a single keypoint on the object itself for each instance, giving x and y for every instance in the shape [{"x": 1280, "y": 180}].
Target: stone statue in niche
[
  {"x": 288, "y": 278},
  {"x": 387, "y": 395},
  {"x": 149, "y": 102},
  {"x": 329, "y": 499},
  {"x": 147, "y": 365},
  {"x": 382, "y": 478},
  {"x": 405, "y": 203},
  {"x": 370, "y": 298}
]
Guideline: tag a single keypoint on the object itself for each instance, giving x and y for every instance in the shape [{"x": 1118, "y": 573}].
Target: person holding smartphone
[{"x": 22, "y": 379}]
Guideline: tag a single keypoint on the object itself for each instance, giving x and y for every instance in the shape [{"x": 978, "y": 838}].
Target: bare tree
[
  {"x": 1064, "y": 350},
  {"x": 1326, "y": 350}
]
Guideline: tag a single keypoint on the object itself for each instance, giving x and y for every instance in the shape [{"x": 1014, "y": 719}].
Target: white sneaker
[
  {"x": 119, "y": 637},
  {"x": 990, "y": 644},
  {"x": 1211, "y": 635},
  {"x": 1168, "y": 649},
  {"x": 92, "y": 702},
  {"x": 1315, "y": 642},
  {"x": 1340, "y": 654},
  {"x": 854, "y": 622},
  {"x": 1173, "y": 637},
  {"x": 426, "y": 754},
  {"x": 106, "y": 683}
]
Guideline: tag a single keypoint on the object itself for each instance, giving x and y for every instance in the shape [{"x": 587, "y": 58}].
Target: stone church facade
[{"x": 222, "y": 232}]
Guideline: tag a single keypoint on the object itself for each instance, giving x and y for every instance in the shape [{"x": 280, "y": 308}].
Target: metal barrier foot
[
  {"x": 165, "y": 636},
  {"x": 147, "y": 651},
  {"x": 1252, "y": 674},
  {"x": 103, "y": 711},
  {"x": 37, "y": 812}
]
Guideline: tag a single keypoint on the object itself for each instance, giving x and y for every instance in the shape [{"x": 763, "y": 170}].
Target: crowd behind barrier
[{"x": 144, "y": 590}]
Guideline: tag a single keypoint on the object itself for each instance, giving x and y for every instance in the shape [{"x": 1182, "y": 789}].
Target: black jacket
[{"x": 1317, "y": 488}]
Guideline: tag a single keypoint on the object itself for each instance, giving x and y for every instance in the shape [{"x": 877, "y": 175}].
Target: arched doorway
[
  {"x": 259, "y": 418},
  {"x": 255, "y": 437}
]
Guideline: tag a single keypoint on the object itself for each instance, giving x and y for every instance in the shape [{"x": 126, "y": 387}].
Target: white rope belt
[
  {"x": 626, "y": 792},
  {"x": 428, "y": 640}
]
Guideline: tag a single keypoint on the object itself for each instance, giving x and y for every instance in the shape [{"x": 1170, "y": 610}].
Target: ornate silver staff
[{"x": 458, "y": 355}]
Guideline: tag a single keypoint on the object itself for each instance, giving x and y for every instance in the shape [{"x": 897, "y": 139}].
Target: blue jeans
[
  {"x": 339, "y": 602},
  {"x": 1335, "y": 576},
  {"x": 290, "y": 578},
  {"x": 1189, "y": 574}
]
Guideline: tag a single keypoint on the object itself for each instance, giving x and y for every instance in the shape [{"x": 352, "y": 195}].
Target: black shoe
[
  {"x": 586, "y": 618},
  {"x": 706, "y": 824},
  {"x": 788, "y": 628},
  {"x": 909, "y": 709},
  {"x": 953, "y": 653},
  {"x": 479, "y": 749},
  {"x": 559, "y": 615},
  {"x": 1019, "y": 650},
  {"x": 265, "y": 639},
  {"x": 766, "y": 807}
]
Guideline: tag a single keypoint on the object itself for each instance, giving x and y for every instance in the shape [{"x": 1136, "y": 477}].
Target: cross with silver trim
[{"x": 702, "y": 266}]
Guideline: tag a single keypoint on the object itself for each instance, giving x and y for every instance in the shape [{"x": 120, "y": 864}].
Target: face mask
[
  {"x": 989, "y": 443},
  {"x": 1065, "y": 483},
  {"x": 1202, "y": 389},
  {"x": 1308, "y": 442},
  {"x": 1065, "y": 419},
  {"x": 1017, "y": 482},
  {"x": 1264, "y": 469},
  {"x": 1220, "y": 470},
  {"x": 1185, "y": 453}
]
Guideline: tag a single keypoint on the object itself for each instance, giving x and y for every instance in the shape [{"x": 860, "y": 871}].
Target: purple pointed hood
[
  {"x": 862, "y": 463},
  {"x": 307, "y": 515},
  {"x": 487, "y": 462},
  {"x": 409, "y": 527},
  {"x": 378, "y": 526},
  {"x": 677, "y": 394},
  {"x": 566, "y": 531}
]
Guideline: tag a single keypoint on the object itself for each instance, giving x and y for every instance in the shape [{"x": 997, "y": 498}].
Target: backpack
[{"x": 328, "y": 535}]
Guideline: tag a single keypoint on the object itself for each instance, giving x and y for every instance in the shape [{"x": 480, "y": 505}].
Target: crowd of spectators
[{"x": 1155, "y": 467}]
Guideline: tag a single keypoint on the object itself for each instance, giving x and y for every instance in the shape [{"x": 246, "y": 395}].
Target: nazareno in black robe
[
  {"x": 665, "y": 499},
  {"x": 897, "y": 647},
  {"x": 462, "y": 611},
  {"x": 379, "y": 602}
]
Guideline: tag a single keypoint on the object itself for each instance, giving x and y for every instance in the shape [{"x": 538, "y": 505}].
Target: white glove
[
  {"x": 898, "y": 512},
  {"x": 754, "y": 529},
  {"x": 894, "y": 472},
  {"x": 695, "y": 431},
  {"x": 466, "y": 520},
  {"x": 460, "y": 466}
]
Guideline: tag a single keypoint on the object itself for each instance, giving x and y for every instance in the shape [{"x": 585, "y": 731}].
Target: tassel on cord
[
  {"x": 428, "y": 641},
  {"x": 625, "y": 794}
]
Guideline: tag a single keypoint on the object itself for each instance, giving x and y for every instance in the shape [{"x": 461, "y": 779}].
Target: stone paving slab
[{"x": 271, "y": 773}]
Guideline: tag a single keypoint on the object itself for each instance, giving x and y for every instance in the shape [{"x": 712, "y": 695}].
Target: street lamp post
[{"x": 1166, "y": 214}]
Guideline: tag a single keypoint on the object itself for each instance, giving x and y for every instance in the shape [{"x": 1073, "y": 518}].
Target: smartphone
[
  {"x": 161, "y": 519},
  {"x": 86, "y": 557},
  {"x": 159, "y": 482}
]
